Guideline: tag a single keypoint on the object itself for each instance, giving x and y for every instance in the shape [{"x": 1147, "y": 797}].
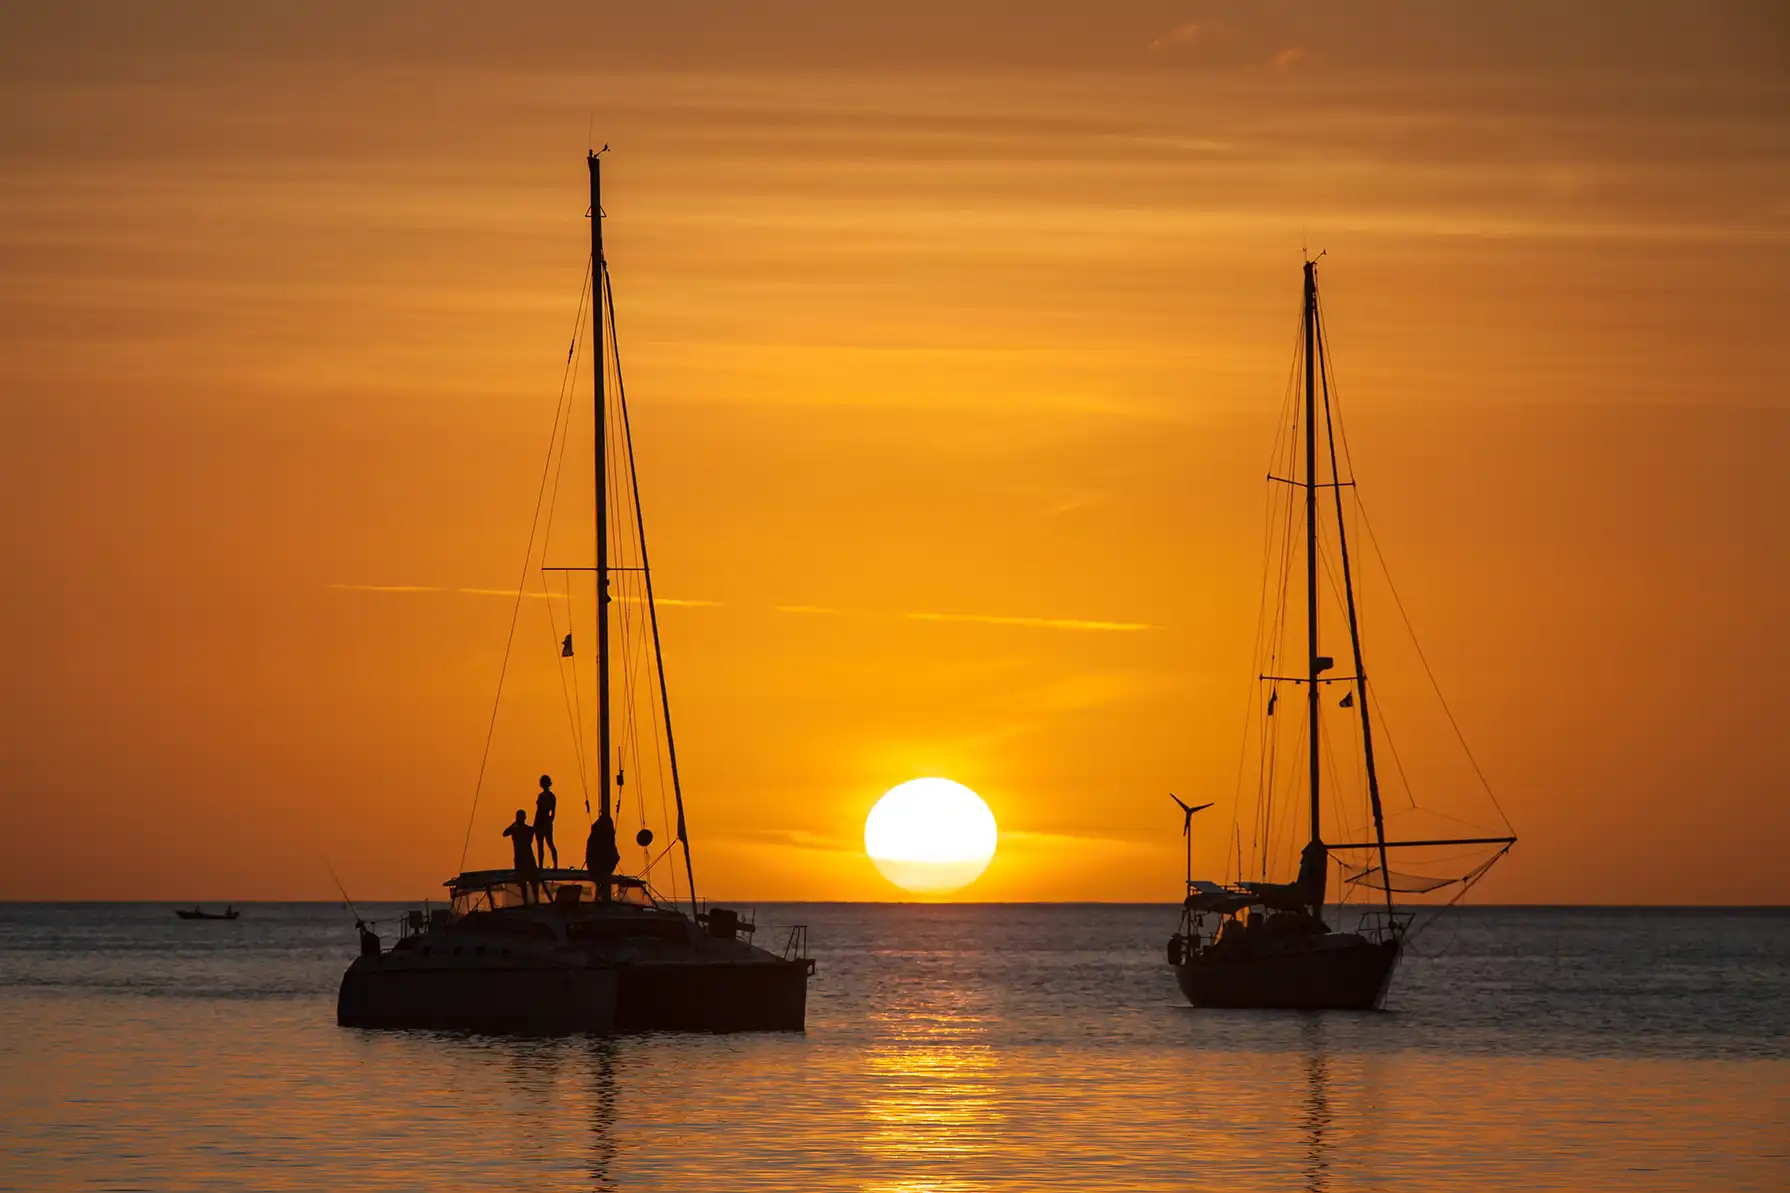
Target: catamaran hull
[
  {"x": 717, "y": 997},
  {"x": 1349, "y": 978},
  {"x": 377, "y": 993}
]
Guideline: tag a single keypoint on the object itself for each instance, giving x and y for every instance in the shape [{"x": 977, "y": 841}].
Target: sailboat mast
[
  {"x": 602, "y": 476},
  {"x": 1311, "y": 535}
]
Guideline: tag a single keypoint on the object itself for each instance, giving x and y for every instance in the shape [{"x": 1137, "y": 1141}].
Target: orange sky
[{"x": 971, "y": 310}]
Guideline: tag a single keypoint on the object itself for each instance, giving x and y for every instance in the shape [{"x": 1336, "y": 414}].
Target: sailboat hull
[{"x": 1349, "y": 975}]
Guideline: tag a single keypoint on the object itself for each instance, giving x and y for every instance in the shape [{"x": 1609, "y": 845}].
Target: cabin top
[{"x": 495, "y": 889}]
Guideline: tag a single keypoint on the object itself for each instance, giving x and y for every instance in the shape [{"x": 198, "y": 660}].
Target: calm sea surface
[{"x": 949, "y": 1048}]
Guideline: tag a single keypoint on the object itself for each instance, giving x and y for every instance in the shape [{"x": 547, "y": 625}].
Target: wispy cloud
[
  {"x": 1293, "y": 57},
  {"x": 503, "y": 592},
  {"x": 1069, "y": 840},
  {"x": 1096, "y": 689},
  {"x": 506, "y": 592},
  {"x": 511, "y": 593},
  {"x": 387, "y": 588},
  {"x": 797, "y": 839},
  {"x": 1185, "y": 34},
  {"x": 1038, "y": 623}
]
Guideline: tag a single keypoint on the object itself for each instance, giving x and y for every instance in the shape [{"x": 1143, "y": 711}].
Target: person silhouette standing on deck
[
  {"x": 546, "y": 812},
  {"x": 600, "y": 853},
  {"x": 521, "y": 844}
]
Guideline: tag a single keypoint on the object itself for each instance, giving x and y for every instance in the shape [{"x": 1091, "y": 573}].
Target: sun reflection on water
[{"x": 934, "y": 1073}]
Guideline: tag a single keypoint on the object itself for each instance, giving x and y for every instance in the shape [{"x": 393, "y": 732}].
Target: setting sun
[{"x": 930, "y": 835}]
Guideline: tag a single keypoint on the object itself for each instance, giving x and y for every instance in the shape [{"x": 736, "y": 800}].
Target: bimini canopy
[
  {"x": 1210, "y": 896},
  {"x": 482, "y": 879}
]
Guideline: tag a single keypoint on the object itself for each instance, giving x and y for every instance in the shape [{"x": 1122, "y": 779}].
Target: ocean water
[{"x": 963, "y": 1047}]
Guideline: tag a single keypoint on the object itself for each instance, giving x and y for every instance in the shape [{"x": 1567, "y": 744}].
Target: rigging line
[
  {"x": 1358, "y": 754},
  {"x": 1292, "y": 803},
  {"x": 1295, "y": 522},
  {"x": 1466, "y": 824},
  {"x": 633, "y": 655},
  {"x": 1253, "y": 700},
  {"x": 575, "y": 357},
  {"x": 1276, "y": 639},
  {"x": 1424, "y": 659},
  {"x": 1278, "y": 632},
  {"x": 1289, "y": 391},
  {"x": 612, "y": 486},
  {"x": 1336, "y": 784},
  {"x": 1326, "y": 747},
  {"x": 1362, "y": 519},
  {"x": 1379, "y": 710},
  {"x": 652, "y": 709},
  {"x": 632, "y": 650},
  {"x": 1336, "y": 591},
  {"x": 575, "y": 708},
  {"x": 653, "y": 617},
  {"x": 1447, "y": 859},
  {"x": 574, "y": 715},
  {"x": 572, "y": 699},
  {"x": 1263, "y": 829},
  {"x": 1265, "y": 788},
  {"x": 1281, "y": 830},
  {"x": 631, "y": 661},
  {"x": 669, "y": 845},
  {"x": 510, "y": 639},
  {"x": 1341, "y": 423},
  {"x": 1287, "y": 432},
  {"x": 1466, "y": 885},
  {"x": 664, "y": 803},
  {"x": 627, "y": 745}
]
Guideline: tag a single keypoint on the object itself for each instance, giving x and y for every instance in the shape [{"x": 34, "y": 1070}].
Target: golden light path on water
[{"x": 931, "y": 835}]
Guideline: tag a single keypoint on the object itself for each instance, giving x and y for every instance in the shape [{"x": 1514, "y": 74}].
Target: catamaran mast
[
  {"x": 602, "y": 511},
  {"x": 1311, "y": 549}
]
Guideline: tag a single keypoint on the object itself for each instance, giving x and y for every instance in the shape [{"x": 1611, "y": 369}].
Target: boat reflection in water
[
  {"x": 1317, "y": 1107},
  {"x": 603, "y": 1105}
]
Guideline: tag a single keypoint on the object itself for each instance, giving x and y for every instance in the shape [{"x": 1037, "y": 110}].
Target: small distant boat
[{"x": 199, "y": 913}]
